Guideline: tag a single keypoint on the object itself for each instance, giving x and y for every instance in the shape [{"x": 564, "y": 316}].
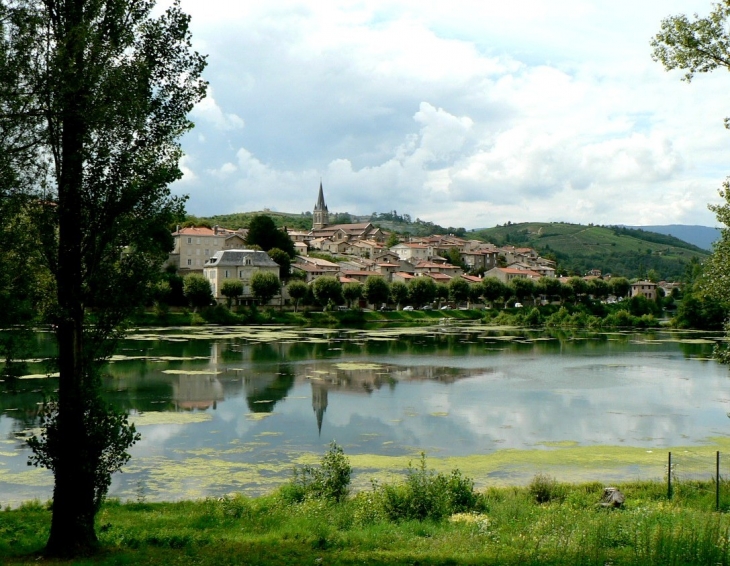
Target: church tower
[{"x": 320, "y": 216}]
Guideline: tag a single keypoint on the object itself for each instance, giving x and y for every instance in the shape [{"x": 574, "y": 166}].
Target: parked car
[
  {"x": 426, "y": 308},
  {"x": 518, "y": 305},
  {"x": 408, "y": 308},
  {"x": 445, "y": 308}
]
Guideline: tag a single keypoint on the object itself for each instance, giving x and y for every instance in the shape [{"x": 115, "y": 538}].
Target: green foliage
[
  {"x": 263, "y": 232},
  {"x": 197, "y": 291},
  {"x": 297, "y": 291},
  {"x": 619, "y": 286},
  {"x": 458, "y": 289},
  {"x": 398, "y": 292},
  {"x": 701, "y": 312},
  {"x": 108, "y": 436},
  {"x": 422, "y": 290},
  {"x": 427, "y": 495},
  {"x": 377, "y": 290},
  {"x": 545, "y": 489},
  {"x": 352, "y": 292},
  {"x": 327, "y": 290},
  {"x": 283, "y": 259},
  {"x": 265, "y": 286},
  {"x": 523, "y": 288},
  {"x": 493, "y": 289},
  {"x": 231, "y": 289},
  {"x": 329, "y": 481},
  {"x": 699, "y": 45}
]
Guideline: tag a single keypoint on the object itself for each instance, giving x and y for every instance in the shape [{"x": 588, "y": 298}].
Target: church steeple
[{"x": 320, "y": 216}]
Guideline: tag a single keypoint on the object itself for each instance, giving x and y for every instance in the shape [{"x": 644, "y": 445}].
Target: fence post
[
  {"x": 717, "y": 482},
  {"x": 669, "y": 477}
]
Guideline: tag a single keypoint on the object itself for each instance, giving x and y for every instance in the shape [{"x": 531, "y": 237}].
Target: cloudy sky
[{"x": 463, "y": 113}]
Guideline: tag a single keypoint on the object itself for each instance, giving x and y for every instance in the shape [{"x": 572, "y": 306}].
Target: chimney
[{"x": 215, "y": 229}]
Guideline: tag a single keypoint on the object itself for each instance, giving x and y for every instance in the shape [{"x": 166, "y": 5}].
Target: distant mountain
[
  {"x": 618, "y": 250},
  {"x": 700, "y": 236}
]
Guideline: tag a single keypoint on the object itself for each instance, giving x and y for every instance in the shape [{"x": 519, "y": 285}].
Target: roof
[
  {"x": 644, "y": 283},
  {"x": 438, "y": 276},
  {"x": 405, "y": 275},
  {"x": 240, "y": 257},
  {"x": 195, "y": 231}
]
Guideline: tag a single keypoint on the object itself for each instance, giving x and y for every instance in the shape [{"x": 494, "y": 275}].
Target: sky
[{"x": 462, "y": 113}]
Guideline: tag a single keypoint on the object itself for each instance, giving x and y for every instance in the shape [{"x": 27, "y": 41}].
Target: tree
[
  {"x": 475, "y": 293},
  {"x": 458, "y": 290},
  {"x": 327, "y": 290},
  {"x": 598, "y": 288},
  {"x": 197, "y": 291},
  {"x": 579, "y": 286},
  {"x": 619, "y": 286},
  {"x": 422, "y": 290},
  {"x": 549, "y": 286},
  {"x": 265, "y": 286},
  {"x": 522, "y": 287},
  {"x": 352, "y": 292},
  {"x": 696, "y": 46},
  {"x": 398, "y": 293},
  {"x": 263, "y": 232},
  {"x": 297, "y": 290},
  {"x": 392, "y": 240},
  {"x": 283, "y": 260},
  {"x": 231, "y": 289},
  {"x": 376, "y": 290},
  {"x": 101, "y": 89},
  {"x": 493, "y": 289}
]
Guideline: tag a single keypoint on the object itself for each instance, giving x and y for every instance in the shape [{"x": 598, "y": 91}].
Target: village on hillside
[{"x": 361, "y": 250}]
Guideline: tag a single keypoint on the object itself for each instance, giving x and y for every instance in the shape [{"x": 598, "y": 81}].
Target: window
[
  {"x": 207, "y": 252},
  {"x": 190, "y": 240},
  {"x": 190, "y": 262},
  {"x": 197, "y": 251},
  {"x": 240, "y": 274},
  {"x": 198, "y": 240}
]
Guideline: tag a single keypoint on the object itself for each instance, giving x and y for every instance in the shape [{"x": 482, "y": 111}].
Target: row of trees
[{"x": 420, "y": 291}]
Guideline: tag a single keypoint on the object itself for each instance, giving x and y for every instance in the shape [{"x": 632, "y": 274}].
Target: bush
[
  {"x": 429, "y": 495},
  {"x": 545, "y": 489},
  {"x": 330, "y": 481}
]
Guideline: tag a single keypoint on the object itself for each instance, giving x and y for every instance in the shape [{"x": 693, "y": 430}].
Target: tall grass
[{"x": 429, "y": 518}]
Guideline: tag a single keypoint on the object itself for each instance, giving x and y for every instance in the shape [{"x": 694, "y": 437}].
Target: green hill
[{"x": 612, "y": 249}]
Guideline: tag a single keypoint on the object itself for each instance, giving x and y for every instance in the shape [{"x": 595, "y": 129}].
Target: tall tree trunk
[{"x": 72, "y": 525}]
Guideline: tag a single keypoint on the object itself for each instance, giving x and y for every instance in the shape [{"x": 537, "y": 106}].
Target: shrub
[
  {"x": 330, "y": 481},
  {"x": 545, "y": 489},
  {"x": 429, "y": 495}
]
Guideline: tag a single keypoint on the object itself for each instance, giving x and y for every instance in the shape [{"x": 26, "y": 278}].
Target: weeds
[{"x": 329, "y": 481}]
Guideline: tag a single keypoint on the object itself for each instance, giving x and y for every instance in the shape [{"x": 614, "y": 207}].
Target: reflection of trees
[
  {"x": 265, "y": 352},
  {"x": 263, "y": 391}
]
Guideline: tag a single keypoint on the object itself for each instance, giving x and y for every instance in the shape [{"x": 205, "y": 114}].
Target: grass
[{"x": 566, "y": 527}]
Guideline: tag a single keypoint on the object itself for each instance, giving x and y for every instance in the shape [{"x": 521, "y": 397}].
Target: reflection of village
[{"x": 270, "y": 383}]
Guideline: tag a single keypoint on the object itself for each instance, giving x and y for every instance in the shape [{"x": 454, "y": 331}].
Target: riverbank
[
  {"x": 592, "y": 317},
  {"x": 544, "y": 523}
]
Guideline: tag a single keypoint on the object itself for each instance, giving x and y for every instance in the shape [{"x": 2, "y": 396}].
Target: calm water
[{"x": 234, "y": 408}]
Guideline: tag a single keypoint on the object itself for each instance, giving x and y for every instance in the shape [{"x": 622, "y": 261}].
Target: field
[{"x": 544, "y": 523}]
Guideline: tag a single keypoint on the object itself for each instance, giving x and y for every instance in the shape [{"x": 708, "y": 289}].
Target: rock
[{"x": 612, "y": 497}]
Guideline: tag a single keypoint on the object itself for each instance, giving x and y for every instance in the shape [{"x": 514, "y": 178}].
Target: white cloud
[{"x": 468, "y": 113}]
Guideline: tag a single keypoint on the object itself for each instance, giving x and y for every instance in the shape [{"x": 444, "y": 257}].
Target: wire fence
[{"x": 701, "y": 474}]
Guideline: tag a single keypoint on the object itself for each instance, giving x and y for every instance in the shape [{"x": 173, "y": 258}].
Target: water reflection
[{"x": 267, "y": 394}]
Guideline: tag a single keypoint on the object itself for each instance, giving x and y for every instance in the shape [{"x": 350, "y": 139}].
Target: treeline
[{"x": 655, "y": 237}]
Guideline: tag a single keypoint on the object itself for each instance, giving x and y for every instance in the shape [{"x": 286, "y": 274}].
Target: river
[{"x": 225, "y": 409}]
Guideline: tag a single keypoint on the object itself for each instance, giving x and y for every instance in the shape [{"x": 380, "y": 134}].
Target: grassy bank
[
  {"x": 544, "y": 523},
  {"x": 244, "y": 315}
]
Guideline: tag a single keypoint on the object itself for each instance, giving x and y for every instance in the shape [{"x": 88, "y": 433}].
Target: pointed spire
[{"x": 320, "y": 199}]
